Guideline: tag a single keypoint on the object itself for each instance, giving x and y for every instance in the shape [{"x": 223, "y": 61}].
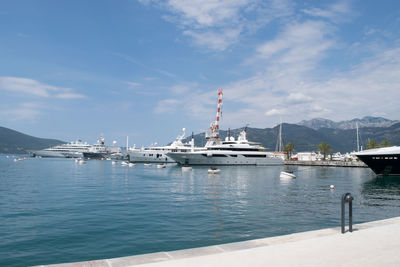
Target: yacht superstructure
[
  {"x": 69, "y": 150},
  {"x": 383, "y": 161},
  {"x": 158, "y": 154}
]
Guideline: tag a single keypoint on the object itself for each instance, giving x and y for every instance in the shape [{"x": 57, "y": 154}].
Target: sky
[{"x": 146, "y": 69}]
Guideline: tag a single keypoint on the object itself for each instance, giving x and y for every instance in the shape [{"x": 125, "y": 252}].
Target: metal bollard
[{"x": 347, "y": 197}]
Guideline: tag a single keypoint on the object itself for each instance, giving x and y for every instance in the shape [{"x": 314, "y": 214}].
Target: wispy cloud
[
  {"x": 217, "y": 24},
  {"x": 28, "y": 87},
  {"x": 137, "y": 62}
]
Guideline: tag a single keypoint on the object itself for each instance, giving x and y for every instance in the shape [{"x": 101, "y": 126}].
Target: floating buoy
[{"x": 332, "y": 187}]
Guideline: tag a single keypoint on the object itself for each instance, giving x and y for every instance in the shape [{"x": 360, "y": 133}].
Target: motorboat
[
  {"x": 214, "y": 171},
  {"x": 287, "y": 175},
  {"x": 160, "y": 166}
]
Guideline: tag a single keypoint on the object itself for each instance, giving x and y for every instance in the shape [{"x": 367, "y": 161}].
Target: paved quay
[{"x": 370, "y": 244}]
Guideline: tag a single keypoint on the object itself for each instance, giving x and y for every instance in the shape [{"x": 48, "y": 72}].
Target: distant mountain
[
  {"x": 14, "y": 142},
  {"x": 368, "y": 121},
  {"x": 307, "y": 139}
]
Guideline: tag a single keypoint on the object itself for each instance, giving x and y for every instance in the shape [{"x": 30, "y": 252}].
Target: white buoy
[{"x": 332, "y": 187}]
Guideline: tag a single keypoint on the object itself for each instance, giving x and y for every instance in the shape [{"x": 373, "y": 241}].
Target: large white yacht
[
  {"x": 229, "y": 152},
  {"x": 69, "y": 150},
  {"x": 158, "y": 154}
]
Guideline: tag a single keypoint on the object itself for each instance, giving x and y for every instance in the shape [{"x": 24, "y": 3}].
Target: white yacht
[
  {"x": 69, "y": 150},
  {"x": 229, "y": 152},
  {"x": 158, "y": 154}
]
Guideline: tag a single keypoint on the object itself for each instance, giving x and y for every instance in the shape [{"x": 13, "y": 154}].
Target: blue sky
[{"x": 146, "y": 69}]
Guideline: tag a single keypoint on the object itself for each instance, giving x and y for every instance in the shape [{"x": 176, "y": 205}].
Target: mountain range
[
  {"x": 368, "y": 121},
  {"x": 339, "y": 135},
  {"x": 13, "y": 142}
]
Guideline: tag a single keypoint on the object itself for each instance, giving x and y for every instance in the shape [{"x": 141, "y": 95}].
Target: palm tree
[
  {"x": 385, "y": 143},
  {"x": 289, "y": 148},
  {"x": 324, "y": 148},
  {"x": 371, "y": 144}
]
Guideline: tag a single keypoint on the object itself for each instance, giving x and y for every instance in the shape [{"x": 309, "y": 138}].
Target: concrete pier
[
  {"x": 370, "y": 244},
  {"x": 326, "y": 163}
]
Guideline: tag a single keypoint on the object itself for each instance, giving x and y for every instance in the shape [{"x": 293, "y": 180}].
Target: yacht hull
[
  {"x": 224, "y": 159},
  {"x": 385, "y": 165},
  {"x": 149, "y": 157}
]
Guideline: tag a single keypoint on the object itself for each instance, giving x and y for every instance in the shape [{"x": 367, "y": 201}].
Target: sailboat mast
[{"x": 358, "y": 139}]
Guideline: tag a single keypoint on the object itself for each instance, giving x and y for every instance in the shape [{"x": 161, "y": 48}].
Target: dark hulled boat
[{"x": 383, "y": 161}]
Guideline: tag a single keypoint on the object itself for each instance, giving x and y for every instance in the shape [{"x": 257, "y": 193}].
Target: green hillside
[{"x": 14, "y": 142}]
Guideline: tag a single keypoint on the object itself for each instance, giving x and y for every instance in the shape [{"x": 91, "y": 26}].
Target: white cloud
[
  {"x": 217, "y": 24},
  {"x": 27, "y": 111},
  {"x": 28, "y": 87}
]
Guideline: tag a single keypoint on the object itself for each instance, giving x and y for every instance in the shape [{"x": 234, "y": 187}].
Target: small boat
[
  {"x": 114, "y": 162},
  {"x": 284, "y": 175},
  {"x": 19, "y": 159},
  {"x": 186, "y": 168},
  {"x": 161, "y": 165},
  {"x": 80, "y": 161},
  {"x": 214, "y": 171},
  {"x": 124, "y": 163},
  {"x": 131, "y": 164},
  {"x": 147, "y": 164}
]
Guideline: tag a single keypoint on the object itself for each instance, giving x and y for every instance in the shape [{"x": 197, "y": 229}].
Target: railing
[{"x": 347, "y": 198}]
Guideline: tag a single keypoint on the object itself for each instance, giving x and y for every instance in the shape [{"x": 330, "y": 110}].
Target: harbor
[
  {"x": 326, "y": 163},
  {"x": 326, "y": 247},
  {"x": 56, "y": 210}
]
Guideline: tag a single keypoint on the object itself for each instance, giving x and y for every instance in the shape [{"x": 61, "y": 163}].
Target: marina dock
[
  {"x": 326, "y": 163},
  {"x": 370, "y": 244}
]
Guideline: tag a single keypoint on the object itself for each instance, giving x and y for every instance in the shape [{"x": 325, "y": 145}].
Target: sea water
[{"x": 56, "y": 210}]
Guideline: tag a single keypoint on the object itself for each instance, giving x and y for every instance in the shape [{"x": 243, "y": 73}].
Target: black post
[{"x": 347, "y": 198}]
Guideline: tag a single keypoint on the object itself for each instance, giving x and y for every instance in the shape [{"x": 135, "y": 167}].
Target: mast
[
  {"x": 358, "y": 139},
  {"x": 279, "y": 143}
]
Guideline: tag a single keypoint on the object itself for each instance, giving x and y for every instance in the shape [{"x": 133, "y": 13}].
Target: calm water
[{"x": 55, "y": 211}]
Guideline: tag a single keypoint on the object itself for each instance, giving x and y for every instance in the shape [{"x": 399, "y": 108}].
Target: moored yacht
[
  {"x": 383, "y": 161},
  {"x": 69, "y": 150},
  {"x": 158, "y": 154},
  {"x": 97, "y": 151},
  {"x": 228, "y": 152}
]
